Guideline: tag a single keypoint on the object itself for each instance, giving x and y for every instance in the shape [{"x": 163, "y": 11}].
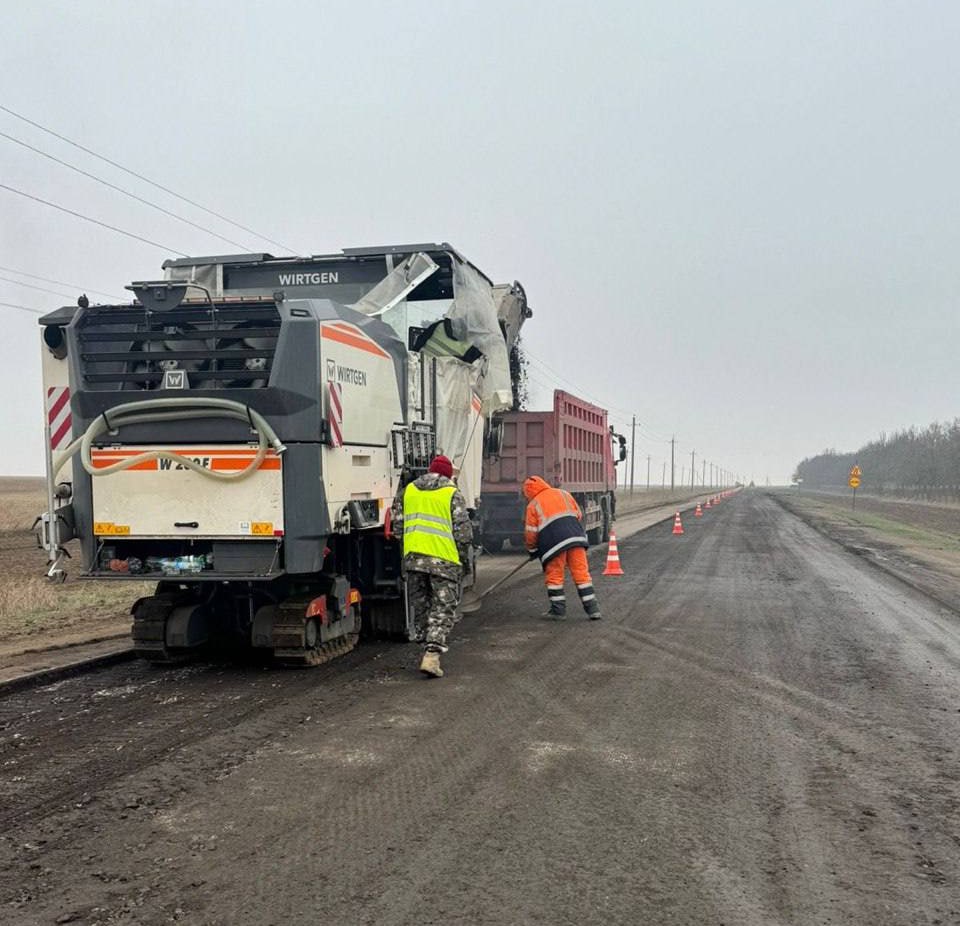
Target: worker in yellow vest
[{"x": 437, "y": 534}]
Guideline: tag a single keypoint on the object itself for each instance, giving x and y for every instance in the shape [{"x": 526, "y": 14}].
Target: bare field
[{"x": 33, "y": 610}]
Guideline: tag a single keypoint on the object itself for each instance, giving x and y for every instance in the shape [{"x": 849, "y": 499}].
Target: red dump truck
[{"x": 570, "y": 447}]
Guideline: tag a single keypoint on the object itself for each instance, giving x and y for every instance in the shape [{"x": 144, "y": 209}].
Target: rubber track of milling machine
[{"x": 291, "y": 645}]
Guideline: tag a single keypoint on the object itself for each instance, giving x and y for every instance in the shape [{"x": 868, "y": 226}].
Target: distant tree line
[{"x": 915, "y": 463}]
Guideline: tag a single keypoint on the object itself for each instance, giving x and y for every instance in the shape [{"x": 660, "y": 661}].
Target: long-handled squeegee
[{"x": 471, "y": 601}]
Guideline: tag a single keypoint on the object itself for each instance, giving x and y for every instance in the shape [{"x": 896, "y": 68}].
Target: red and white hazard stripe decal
[
  {"x": 59, "y": 417},
  {"x": 335, "y": 414}
]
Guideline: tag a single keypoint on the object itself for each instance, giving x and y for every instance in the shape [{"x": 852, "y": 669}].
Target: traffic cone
[
  {"x": 613, "y": 567},
  {"x": 677, "y": 525},
  {"x": 699, "y": 512},
  {"x": 707, "y": 504}
]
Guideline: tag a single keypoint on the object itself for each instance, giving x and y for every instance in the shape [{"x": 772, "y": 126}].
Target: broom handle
[{"x": 503, "y": 579}]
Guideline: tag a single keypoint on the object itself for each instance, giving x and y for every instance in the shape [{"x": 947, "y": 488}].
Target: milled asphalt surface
[{"x": 762, "y": 730}]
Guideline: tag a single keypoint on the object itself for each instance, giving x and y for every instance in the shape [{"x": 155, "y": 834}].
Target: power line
[
  {"x": 134, "y": 196},
  {"x": 87, "y": 218},
  {"x": 25, "y": 308},
  {"x": 75, "y": 286},
  {"x": 621, "y": 421},
  {"x": 133, "y": 173},
  {"x": 647, "y": 432},
  {"x": 567, "y": 382},
  {"x": 42, "y": 289}
]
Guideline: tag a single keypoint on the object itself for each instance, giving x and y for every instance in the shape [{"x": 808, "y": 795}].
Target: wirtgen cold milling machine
[{"x": 239, "y": 432}]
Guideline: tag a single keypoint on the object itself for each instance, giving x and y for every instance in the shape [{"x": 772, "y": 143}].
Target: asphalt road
[{"x": 762, "y": 730}]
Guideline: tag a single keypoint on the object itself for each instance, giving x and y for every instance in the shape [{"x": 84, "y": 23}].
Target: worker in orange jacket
[{"x": 554, "y": 534}]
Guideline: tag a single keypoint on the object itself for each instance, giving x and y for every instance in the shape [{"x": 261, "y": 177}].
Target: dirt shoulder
[
  {"x": 36, "y": 613},
  {"x": 917, "y": 542}
]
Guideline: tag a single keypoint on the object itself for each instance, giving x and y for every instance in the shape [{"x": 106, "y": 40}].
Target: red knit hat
[{"x": 442, "y": 466}]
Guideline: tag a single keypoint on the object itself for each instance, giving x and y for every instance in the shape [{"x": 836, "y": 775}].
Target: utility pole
[
  {"x": 703, "y": 476},
  {"x": 633, "y": 447},
  {"x": 693, "y": 467},
  {"x": 663, "y": 476},
  {"x": 673, "y": 468},
  {"x": 648, "y": 472}
]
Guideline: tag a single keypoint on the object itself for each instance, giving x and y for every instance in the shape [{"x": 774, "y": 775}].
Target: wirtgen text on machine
[
  {"x": 309, "y": 279},
  {"x": 351, "y": 375}
]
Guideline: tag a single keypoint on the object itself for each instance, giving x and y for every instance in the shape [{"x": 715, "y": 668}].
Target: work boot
[
  {"x": 595, "y": 615},
  {"x": 430, "y": 664},
  {"x": 555, "y": 614}
]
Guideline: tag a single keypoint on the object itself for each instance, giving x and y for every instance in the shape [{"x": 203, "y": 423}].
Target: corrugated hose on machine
[{"x": 158, "y": 411}]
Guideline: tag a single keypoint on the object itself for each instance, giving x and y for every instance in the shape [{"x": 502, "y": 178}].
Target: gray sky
[{"x": 737, "y": 220}]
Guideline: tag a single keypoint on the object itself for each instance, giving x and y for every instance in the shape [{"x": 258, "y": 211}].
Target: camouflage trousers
[{"x": 434, "y": 601}]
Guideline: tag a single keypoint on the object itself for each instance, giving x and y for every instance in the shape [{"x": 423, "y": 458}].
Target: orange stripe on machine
[
  {"x": 219, "y": 460},
  {"x": 353, "y": 337}
]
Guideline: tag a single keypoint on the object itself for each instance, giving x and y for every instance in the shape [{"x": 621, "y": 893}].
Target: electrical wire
[
  {"x": 134, "y": 196},
  {"x": 620, "y": 424},
  {"x": 87, "y": 218},
  {"x": 42, "y": 289},
  {"x": 545, "y": 370},
  {"x": 24, "y": 308},
  {"x": 133, "y": 173},
  {"x": 73, "y": 286},
  {"x": 647, "y": 432}
]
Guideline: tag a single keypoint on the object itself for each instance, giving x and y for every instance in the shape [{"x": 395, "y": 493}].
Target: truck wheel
[
  {"x": 594, "y": 535},
  {"x": 605, "y": 533}
]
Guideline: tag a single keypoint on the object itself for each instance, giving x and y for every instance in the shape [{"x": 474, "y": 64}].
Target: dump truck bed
[{"x": 568, "y": 446}]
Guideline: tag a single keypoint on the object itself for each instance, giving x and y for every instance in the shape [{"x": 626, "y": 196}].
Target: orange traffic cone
[
  {"x": 677, "y": 524},
  {"x": 699, "y": 512},
  {"x": 613, "y": 567},
  {"x": 707, "y": 504}
]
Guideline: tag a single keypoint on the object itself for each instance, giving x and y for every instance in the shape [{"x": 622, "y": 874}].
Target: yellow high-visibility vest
[{"x": 427, "y": 525}]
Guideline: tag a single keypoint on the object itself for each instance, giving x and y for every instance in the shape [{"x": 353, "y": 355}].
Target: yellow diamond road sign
[
  {"x": 854, "y": 482},
  {"x": 856, "y": 472}
]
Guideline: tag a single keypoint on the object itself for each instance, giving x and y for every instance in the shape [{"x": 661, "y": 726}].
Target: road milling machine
[{"x": 238, "y": 431}]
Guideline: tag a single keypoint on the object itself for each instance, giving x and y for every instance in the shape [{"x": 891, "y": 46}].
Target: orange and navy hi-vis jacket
[{"x": 553, "y": 521}]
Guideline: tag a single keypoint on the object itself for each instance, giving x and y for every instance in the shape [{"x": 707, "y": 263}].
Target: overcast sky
[{"x": 738, "y": 221}]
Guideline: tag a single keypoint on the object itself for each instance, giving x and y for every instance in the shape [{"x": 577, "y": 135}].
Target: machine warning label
[
  {"x": 261, "y": 528},
  {"x": 109, "y": 529}
]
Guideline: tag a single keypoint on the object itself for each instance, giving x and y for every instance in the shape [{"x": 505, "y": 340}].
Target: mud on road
[{"x": 761, "y": 730}]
